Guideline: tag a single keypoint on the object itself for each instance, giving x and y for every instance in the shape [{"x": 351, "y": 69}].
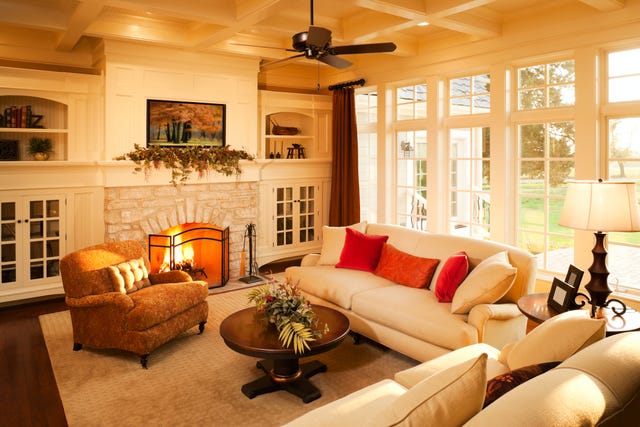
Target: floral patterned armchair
[{"x": 116, "y": 303}]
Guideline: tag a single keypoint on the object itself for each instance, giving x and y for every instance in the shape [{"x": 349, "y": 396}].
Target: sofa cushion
[
  {"x": 333, "y": 241},
  {"x": 417, "y": 313},
  {"x": 584, "y": 390},
  {"x": 453, "y": 273},
  {"x": 503, "y": 383},
  {"x": 358, "y": 408},
  {"x": 335, "y": 285},
  {"x": 447, "y": 398},
  {"x": 412, "y": 376},
  {"x": 361, "y": 251},
  {"x": 485, "y": 284},
  {"x": 150, "y": 304},
  {"x": 129, "y": 276},
  {"x": 405, "y": 269},
  {"x": 555, "y": 339}
]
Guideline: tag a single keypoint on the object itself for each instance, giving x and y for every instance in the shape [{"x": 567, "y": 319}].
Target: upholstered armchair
[{"x": 115, "y": 303}]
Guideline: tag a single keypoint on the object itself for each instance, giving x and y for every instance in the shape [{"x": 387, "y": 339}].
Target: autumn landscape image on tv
[{"x": 173, "y": 123}]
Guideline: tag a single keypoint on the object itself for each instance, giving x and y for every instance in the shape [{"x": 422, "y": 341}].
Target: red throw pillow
[
  {"x": 498, "y": 386},
  {"x": 361, "y": 251},
  {"x": 453, "y": 272},
  {"x": 404, "y": 268}
]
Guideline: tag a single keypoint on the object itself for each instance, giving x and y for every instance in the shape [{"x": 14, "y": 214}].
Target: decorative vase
[{"x": 41, "y": 156}]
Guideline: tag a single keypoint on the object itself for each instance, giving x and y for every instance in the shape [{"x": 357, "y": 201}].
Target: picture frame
[
  {"x": 574, "y": 276},
  {"x": 185, "y": 124},
  {"x": 561, "y": 295}
]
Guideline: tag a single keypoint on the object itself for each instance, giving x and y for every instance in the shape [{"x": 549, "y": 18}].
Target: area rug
[{"x": 195, "y": 379}]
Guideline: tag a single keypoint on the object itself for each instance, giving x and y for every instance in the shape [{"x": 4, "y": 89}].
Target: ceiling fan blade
[
  {"x": 318, "y": 37},
  {"x": 262, "y": 47},
  {"x": 363, "y": 48},
  {"x": 274, "y": 64},
  {"x": 334, "y": 61}
]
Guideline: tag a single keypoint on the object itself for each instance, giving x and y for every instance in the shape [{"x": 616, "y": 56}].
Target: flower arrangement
[
  {"x": 285, "y": 307},
  {"x": 184, "y": 161}
]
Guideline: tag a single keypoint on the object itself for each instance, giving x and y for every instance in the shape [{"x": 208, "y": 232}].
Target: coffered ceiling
[{"x": 65, "y": 27}]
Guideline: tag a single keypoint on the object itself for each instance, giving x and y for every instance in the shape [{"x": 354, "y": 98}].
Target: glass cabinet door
[
  {"x": 295, "y": 214},
  {"x": 44, "y": 238},
  {"x": 8, "y": 242}
]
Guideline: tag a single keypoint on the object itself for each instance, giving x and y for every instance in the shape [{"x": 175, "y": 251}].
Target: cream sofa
[
  {"x": 596, "y": 383},
  {"x": 409, "y": 320}
]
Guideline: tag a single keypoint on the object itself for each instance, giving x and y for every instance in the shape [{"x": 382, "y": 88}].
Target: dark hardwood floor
[
  {"x": 28, "y": 391},
  {"x": 29, "y": 395}
]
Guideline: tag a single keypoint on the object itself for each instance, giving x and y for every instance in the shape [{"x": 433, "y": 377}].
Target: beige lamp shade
[{"x": 601, "y": 206}]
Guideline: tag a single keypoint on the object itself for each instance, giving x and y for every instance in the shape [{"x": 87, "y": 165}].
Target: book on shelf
[{"x": 20, "y": 117}]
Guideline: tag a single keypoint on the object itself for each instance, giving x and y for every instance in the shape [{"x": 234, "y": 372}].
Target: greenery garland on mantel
[{"x": 183, "y": 161}]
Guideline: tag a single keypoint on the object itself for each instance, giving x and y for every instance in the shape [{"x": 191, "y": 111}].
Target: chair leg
[
  {"x": 77, "y": 346},
  {"x": 201, "y": 327},
  {"x": 144, "y": 359}
]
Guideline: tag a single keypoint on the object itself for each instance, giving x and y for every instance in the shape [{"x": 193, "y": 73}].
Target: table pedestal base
[{"x": 286, "y": 375}]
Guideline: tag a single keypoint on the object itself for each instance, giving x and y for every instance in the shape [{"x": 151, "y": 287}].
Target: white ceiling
[{"x": 68, "y": 26}]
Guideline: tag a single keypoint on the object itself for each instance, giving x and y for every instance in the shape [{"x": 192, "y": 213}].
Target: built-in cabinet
[
  {"x": 37, "y": 228},
  {"x": 295, "y": 126},
  {"x": 26, "y": 117}
]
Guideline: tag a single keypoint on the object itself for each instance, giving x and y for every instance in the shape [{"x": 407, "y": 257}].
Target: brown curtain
[{"x": 344, "y": 207}]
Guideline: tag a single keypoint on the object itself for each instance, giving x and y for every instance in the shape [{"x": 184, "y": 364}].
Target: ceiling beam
[
  {"x": 249, "y": 13},
  {"x": 444, "y": 8},
  {"x": 82, "y": 16},
  {"x": 604, "y": 5}
]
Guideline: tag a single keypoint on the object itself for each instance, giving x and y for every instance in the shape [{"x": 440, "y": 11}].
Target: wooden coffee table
[{"x": 246, "y": 332}]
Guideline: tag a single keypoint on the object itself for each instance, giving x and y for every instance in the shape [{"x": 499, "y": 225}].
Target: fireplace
[{"x": 202, "y": 250}]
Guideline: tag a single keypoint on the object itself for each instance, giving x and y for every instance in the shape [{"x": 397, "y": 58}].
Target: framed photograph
[
  {"x": 561, "y": 296},
  {"x": 574, "y": 276},
  {"x": 182, "y": 124}
]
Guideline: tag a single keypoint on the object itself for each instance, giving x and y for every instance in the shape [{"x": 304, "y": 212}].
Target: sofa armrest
[
  {"x": 498, "y": 324},
  {"x": 109, "y": 298},
  {"x": 173, "y": 276},
  {"x": 309, "y": 260}
]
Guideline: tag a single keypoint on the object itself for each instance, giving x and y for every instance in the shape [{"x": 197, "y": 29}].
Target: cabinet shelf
[{"x": 32, "y": 130}]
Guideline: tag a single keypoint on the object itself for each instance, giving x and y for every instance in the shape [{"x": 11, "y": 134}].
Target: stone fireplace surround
[{"x": 134, "y": 212}]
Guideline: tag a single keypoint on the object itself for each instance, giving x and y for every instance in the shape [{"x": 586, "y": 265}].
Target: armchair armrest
[
  {"x": 309, "y": 259},
  {"x": 173, "y": 276},
  {"x": 498, "y": 324},
  {"x": 92, "y": 301}
]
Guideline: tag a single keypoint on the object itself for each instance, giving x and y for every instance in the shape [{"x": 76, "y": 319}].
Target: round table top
[
  {"x": 246, "y": 332},
  {"x": 535, "y": 307}
]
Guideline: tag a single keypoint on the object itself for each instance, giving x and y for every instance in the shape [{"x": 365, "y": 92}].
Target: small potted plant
[{"x": 40, "y": 148}]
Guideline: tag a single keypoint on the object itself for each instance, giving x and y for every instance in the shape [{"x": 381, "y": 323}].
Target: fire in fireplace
[{"x": 202, "y": 250}]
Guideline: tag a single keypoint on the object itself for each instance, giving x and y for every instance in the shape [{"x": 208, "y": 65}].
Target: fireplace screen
[{"x": 202, "y": 250}]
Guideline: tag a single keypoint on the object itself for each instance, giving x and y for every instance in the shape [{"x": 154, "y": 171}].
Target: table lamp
[{"x": 600, "y": 206}]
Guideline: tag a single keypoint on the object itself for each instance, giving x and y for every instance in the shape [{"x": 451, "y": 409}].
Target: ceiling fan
[{"x": 315, "y": 43}]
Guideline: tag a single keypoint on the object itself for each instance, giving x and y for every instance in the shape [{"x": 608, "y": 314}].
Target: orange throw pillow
[
  {"x": 405, "y": 269},
  {"x": 453, "y": 273}
]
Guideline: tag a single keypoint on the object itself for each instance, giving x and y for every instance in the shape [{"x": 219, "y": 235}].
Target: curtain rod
[{"x": 347, "y": 84}]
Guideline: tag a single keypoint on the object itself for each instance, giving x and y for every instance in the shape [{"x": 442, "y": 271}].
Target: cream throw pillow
[
  {"x": 555, "y": 339},
  {"x": 129, "y": 276},
  {"x": 447, "y": 398},
  {"x": 333, "y": 241},
  {"x": 485, "y": 284}
]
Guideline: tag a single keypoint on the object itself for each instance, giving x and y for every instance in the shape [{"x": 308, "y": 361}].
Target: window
[
  {"x": 469, "y": 95},
  {"x": 546, "y": 161},
  {"x": 411, "y": 179},
  {"x": 411, "y": 102},
  {"x": 623, "y": 135},
  {"x": 546, "y": 85},
  {"x": 624, "y": 75},
  {"x": 367, "y": 117},
  {"x": 469, "y": 181}
]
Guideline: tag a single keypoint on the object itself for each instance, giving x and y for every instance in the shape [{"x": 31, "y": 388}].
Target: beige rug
[{"x": 195, "y": 379}]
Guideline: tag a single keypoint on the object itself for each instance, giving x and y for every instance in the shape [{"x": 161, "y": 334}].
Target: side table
[{"x": 535, "y": 307}]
